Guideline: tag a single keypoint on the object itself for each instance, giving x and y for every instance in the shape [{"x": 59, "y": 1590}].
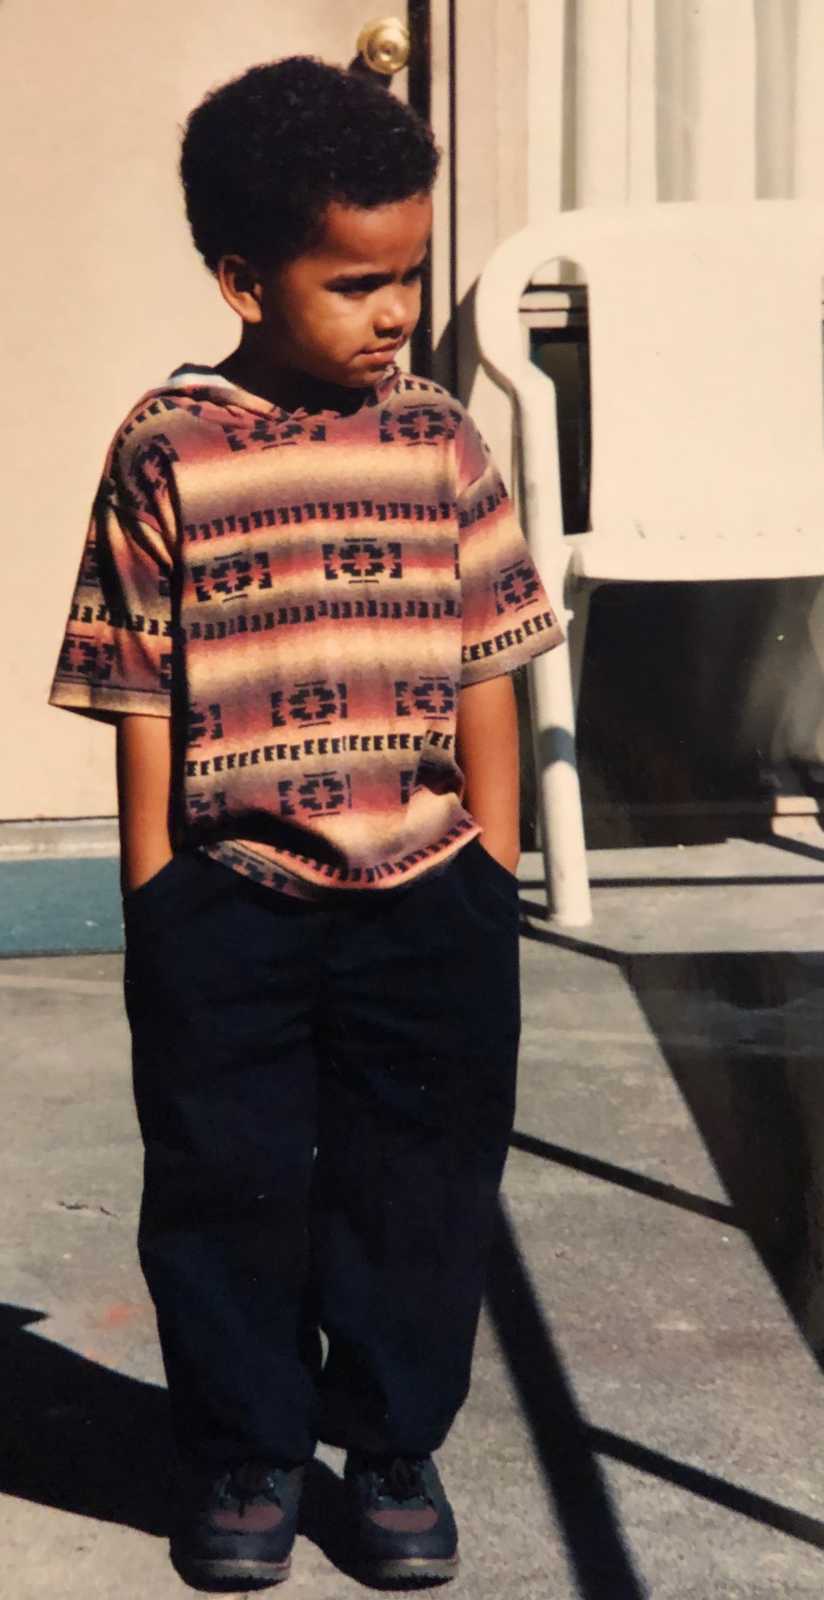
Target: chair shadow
[
  {"x": 739, "y": 1032},
  {"x": 577, "y": 1489},
  {"x": 571, "y": 1450}
]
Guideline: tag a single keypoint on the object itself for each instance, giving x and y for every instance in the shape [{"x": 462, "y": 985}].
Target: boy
[{"x": 300, "y": 600}]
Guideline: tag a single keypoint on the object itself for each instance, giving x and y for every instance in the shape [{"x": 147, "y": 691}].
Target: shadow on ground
[
  {"x": 740, "y": 1033},
  {"x": 78, "y": 1436},
  {"x": 569, "y": 1448},
  {"x": 82, "y": 1438}
]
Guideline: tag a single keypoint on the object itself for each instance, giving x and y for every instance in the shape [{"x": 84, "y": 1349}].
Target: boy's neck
[{"x": 287, "y": 388}]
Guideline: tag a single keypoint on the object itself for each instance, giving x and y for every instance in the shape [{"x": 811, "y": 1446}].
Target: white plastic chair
[{"x": 705, "y": 350}]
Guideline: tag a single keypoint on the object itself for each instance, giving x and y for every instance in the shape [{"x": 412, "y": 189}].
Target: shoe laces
[
  {"x": 251, "y": 1480},
  {"x": 399, "y": 1479}
]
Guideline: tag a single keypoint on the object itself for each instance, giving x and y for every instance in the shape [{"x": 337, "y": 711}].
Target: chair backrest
[{"x": 705, "y": 370}]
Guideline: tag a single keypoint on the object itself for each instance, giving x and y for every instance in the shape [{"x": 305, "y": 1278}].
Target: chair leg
[
  {"x": 577, "y": 636},
  {"x": 553, "y": 696}
]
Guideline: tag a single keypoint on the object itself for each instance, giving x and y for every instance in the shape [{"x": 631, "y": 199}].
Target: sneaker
[
  {"x": 239, "y": 1533},
  {"x": 404, "y": 1529}
]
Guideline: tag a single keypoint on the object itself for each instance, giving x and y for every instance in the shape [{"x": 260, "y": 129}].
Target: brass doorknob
[{"x": 384, "y": 45}]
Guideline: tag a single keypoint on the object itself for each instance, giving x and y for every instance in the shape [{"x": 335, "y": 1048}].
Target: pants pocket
[
  {"x": 159, "y": 902},
  {"x": 506, "y": 878},
  {"x": 156, "y": 882},
  {"x": 488, "y": 884}
]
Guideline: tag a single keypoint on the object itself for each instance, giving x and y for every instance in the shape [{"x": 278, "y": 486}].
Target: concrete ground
[{"x": 647, "y": 1411}]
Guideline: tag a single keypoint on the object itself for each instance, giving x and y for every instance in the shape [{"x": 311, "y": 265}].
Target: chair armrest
[
  {"x": 537, "y": 424},
  {"x": 505, "y": 355}
]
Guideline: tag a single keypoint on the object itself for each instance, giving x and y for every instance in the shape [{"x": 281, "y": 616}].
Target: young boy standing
[{"x": 301, "y": 598}]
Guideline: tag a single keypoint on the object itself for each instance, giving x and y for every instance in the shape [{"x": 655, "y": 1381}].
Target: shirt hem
[
  {"x": 265, "y": 870},
  {"x": 508, "y": 662},
  {"x": 107, "y": 706}
]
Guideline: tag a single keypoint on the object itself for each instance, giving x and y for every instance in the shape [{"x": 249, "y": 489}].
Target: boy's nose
[
  {"x": 390, "y": 317},
  {"x": 390, "y": 324}
]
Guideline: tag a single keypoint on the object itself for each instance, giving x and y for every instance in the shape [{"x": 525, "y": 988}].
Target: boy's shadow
[{"x": 82, "y": 1438}]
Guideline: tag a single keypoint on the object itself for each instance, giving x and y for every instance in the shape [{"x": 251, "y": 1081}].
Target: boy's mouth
[{"x": 384, "y": 352}]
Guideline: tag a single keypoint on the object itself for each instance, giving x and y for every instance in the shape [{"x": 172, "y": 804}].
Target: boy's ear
[{"x": 241, "y": 287}]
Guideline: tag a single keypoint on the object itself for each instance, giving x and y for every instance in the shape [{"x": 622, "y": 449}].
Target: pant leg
[
  {"x": 220, "y": 987},
  {"x": 416, "y": 1110}
]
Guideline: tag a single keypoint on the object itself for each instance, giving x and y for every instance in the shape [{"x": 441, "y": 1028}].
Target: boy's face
[{"x": 341, "y": 311}]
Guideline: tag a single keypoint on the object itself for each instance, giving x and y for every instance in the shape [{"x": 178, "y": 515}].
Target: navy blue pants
[{"x": 326, "y": 1093}]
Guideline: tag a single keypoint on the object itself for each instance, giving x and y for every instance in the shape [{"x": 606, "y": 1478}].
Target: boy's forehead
[{"x": 364, "y": 236}]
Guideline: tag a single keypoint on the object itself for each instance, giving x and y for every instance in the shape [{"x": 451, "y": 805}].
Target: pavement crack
[{"x": 85, "y": 1210}]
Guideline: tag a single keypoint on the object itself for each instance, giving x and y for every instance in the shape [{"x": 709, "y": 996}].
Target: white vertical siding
[
  {"x": 674, "y": 100},
  {"x": 642, "y": 179},
  {"x": 545, "y": 107},
  {"x": 809, "y": 100},
  {"x": 776, "y": 43},
  {"x": 601, "y": 127},
  {"x": 724, "y": 115}
]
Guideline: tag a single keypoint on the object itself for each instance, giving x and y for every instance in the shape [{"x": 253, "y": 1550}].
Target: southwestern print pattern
[{"x": 306, "y": 596}]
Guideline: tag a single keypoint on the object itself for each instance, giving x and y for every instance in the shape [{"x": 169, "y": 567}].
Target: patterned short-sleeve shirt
[{"x": 305, "y": 594}]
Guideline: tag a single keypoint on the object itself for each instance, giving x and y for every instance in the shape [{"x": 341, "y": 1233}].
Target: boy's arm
[
  {"x": 144, "y": 771},
  {"x": 488, "y": 755}
]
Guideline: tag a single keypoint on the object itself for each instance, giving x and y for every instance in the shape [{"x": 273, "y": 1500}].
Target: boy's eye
[
  {"x": 353, "y": 286},
  {"x": 356, "y": 286}
]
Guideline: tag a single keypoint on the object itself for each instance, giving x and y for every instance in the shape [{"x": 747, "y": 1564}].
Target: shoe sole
[
  {"x": 235, "y": 1574},
  {"x": 412, "y": 1570}
]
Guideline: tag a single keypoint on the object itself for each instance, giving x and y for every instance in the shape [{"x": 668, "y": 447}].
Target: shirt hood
[{"x": 202, "y": 383}]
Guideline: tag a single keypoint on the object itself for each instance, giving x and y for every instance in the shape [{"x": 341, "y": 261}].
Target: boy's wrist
[{"x": 144, "y": 779}]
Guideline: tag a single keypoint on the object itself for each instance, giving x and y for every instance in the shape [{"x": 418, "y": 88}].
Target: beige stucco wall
[{"x": 102, "y": 296}]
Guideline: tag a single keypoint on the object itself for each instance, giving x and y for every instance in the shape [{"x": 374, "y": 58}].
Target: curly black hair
[{"x": 263, "y": 156}]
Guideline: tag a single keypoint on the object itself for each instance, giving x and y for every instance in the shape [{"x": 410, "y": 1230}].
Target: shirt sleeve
[
  {"x": 507, "y": 615},
  {"x": 116, "y": 656}
]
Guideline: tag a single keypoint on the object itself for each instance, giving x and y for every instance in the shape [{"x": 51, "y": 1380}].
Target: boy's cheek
[{"x": 334, "y": 331}]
